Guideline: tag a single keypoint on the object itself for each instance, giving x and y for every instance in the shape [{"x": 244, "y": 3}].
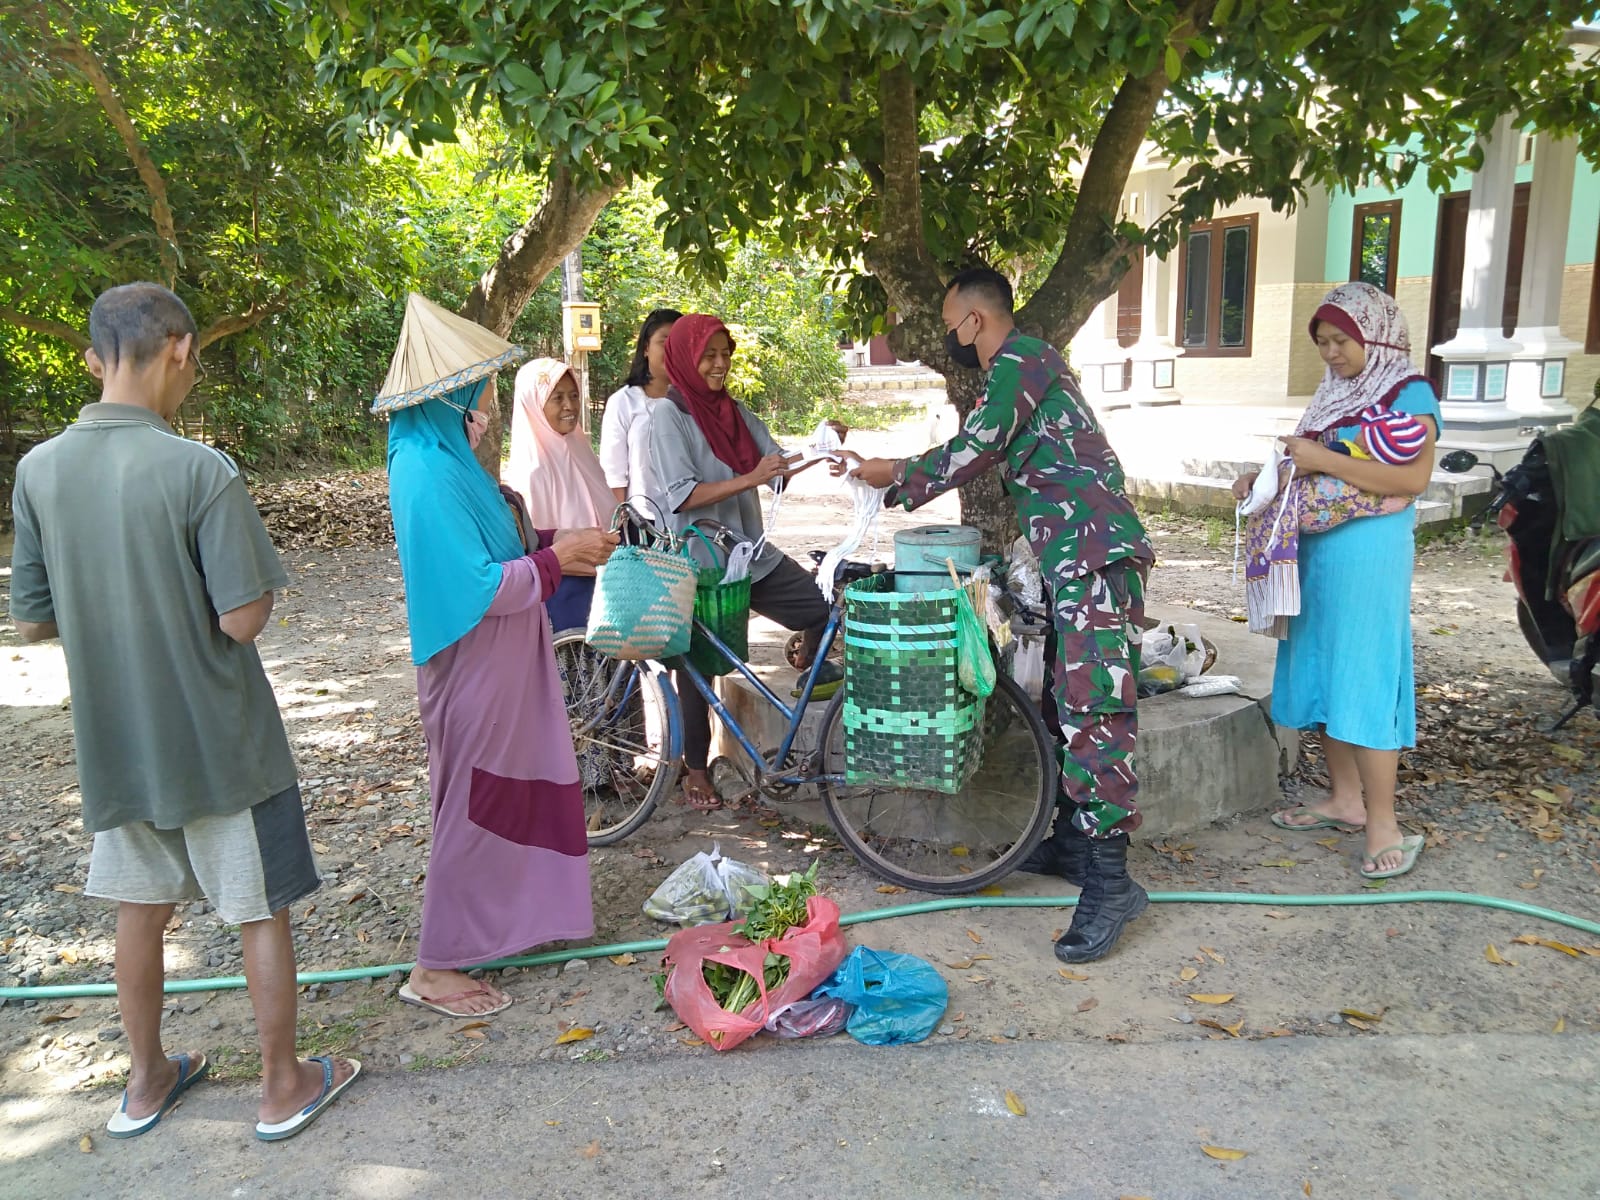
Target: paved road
[{"x": 1415, "y": 1118}]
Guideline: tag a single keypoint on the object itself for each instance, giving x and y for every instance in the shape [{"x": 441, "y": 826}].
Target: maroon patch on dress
[{"x": 529, "y": 812}]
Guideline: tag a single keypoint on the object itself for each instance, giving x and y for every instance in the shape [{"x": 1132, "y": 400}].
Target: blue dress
[{"x": 1346, "y": 666}]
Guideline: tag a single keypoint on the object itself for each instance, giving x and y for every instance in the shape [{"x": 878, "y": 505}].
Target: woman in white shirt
[{"x": 624, "y": 430}]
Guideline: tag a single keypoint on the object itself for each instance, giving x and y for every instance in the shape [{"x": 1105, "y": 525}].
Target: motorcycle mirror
[{"x": 1458, "y": 462}]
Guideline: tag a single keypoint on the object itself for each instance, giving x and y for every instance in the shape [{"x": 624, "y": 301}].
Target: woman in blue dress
[{"x": 1344, "y": 669}]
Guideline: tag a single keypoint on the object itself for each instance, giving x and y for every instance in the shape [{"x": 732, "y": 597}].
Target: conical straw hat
[{"x": 439, "y": 352}]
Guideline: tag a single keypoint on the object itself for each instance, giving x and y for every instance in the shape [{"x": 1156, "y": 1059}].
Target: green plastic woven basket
[
  {"x": 725, "y": 610},
  {"x": 907, "y": 719}
]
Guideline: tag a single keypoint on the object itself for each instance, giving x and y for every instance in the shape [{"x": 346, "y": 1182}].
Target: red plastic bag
[{"x": 814, "y": 950}]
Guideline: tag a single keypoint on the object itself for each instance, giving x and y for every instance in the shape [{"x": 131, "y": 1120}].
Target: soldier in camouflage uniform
[{"x": 1058, "y": 467}]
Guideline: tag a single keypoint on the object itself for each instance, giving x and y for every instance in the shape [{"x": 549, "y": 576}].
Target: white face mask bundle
[
  {"x": 1262, "y": 493},
  {"x": 866, "y": 506}
]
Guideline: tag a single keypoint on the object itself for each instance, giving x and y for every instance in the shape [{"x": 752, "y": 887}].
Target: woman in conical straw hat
[{"x": 509, "y": 866}]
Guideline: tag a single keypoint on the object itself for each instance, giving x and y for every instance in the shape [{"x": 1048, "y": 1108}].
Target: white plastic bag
[
  {"x": 1027, "y": 660},
  {"x": 704, "y": 889},
  {"x": 1179, "y": 647},
  {"x": 1023, "y": 575},
  {"x": 1213, "y": 685}
]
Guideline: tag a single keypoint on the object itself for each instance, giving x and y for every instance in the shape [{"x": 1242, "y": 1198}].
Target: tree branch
[
  {"x": 557, "y": 226},
  {"x": 239, "y": 322},
  {"x": 1092, "y": 259},
  {"x": 72, "y": 50},
  {"x": 56, "y": 329}
]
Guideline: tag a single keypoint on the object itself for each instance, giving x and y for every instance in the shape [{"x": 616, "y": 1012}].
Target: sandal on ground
[
  {"x": 698, "y": 798},
  {"x": 1283, "y": 820},
  {"x": 441, "y": 1004},
  {"x": 277, "y": 1131},
  {"x": 1409, "y": 847},
  {"x": 122, "y": 1125}
]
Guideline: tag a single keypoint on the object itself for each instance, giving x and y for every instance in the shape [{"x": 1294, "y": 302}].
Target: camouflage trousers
[{"x": 1091, "y": 703}]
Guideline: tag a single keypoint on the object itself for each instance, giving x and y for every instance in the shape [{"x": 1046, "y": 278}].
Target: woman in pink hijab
[{"x": 555, "y": 471}]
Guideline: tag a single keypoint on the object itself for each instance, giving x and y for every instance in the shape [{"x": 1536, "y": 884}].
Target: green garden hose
[{"x": 550, "y": 957}]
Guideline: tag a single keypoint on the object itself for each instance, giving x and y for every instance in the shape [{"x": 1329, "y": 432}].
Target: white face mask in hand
[{"x": 1265, "y": 487}]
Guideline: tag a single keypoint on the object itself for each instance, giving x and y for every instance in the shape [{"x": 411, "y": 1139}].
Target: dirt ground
[{"x": 1507, "y": 811}]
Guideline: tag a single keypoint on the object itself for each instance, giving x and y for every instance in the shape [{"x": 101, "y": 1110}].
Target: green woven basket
[
  {"x": 725, "y": 610},
  {"x": 907, "y": 719}
]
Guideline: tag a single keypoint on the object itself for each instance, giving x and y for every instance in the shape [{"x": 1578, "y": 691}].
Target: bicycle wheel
[
  {"x": 958, "y": 843},
  {"x": 620, "y": 733}
]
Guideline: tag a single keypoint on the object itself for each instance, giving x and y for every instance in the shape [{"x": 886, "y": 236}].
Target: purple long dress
[{"x": 510, "y": 866}]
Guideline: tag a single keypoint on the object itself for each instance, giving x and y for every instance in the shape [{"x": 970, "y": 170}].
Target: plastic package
[
  {"x": 1023, "y": 577},
  {"x": 703, "y": 889},
  {"x": 898, "y": 998},
  {"x": 813, "y": 950},
  {"x": 1214, "y": 685},
  {"x": 820, "y": 1016}
]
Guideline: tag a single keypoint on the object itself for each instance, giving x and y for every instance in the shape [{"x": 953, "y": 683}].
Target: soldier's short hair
[
  {"x": 134, "y": 321},
  {"x": 984, "y": 282}
]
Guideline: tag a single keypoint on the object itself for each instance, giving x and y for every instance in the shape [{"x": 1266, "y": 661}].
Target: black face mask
[{"x": 962, "y": 356}]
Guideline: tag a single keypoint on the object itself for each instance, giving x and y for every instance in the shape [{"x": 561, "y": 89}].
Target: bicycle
[{"x": 626, "y": 729}]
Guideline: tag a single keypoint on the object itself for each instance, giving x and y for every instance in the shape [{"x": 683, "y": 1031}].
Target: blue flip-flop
[
  {"x": 122, "y": 1125},
  {"x": 278, "y": 1131}
]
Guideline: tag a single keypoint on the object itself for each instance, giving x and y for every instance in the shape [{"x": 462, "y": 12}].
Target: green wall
[{"x": 1419, "y": 220}]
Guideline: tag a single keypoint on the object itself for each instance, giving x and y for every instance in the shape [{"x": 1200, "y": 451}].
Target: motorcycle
[{"x": 1557, "y": 581}]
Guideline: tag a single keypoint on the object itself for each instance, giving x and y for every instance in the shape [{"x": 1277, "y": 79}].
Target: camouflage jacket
[{"x": 1035, "y": 424}]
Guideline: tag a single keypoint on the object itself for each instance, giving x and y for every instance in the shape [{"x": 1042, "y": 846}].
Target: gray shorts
[{"x": 248, "y": 864}]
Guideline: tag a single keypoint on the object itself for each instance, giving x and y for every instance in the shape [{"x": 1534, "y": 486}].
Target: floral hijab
[{"x": 1373, "y": 318}]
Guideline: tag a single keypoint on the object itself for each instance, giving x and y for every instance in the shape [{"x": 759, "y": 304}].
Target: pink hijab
[{"x": 559, "y": 477}]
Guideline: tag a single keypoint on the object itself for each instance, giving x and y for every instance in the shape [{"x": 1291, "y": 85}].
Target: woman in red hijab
[{"x": 711, "y": 456}]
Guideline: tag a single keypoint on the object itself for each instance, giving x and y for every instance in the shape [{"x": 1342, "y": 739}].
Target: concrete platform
[{"x": 1200, "y": 760}]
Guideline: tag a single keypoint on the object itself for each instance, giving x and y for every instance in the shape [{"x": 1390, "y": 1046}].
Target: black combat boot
[
  {"x": 1110, "y": 899},
  {"x": 1065, "y": 852}
]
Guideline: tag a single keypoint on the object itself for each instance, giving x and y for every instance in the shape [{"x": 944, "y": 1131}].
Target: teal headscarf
[{"x": 452, "y": 528}]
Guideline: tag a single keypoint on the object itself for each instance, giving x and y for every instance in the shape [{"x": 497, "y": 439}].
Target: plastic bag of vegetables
[
  {"x": 725, "y": 981},
  {"x": 706, "y": 888}
]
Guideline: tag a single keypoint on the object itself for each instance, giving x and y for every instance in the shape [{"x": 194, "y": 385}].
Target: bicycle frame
[{"x": 767, "y": 772}]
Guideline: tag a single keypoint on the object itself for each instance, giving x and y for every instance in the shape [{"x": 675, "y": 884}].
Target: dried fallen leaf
[
  {"x": 1277, "y": 914},
  {"x": 476, "y": 1035},
  {"x": 675, "y": 1027},
  {"x": 959, "y": 851},
  {"x": 70, "y": 889},
  {"x": 891, "y": 889},
  {"x": 974, "y": 937},
  {"x": 992, "y": 890},
  {"x": 68, "y": 956},
  {"x": 552, "y": 1124},
  {"x": 1086, "y": 1005},
  {"x": 1014, "y": 1103},
  {"x": 1529, "y": 939},
  {"x": 1493, "y": 956},
  {"x": 470, "y": 1025},
  {"x": 1230, "y": 1030},
  {"x": 1561, "y": 1025},
  {"x": 1568, "y": 754},
  {"x": 623, "y": 960},
  {"x": 1212, "y": 955},
  {"x": 68, "y": 1013},
  {"x": 1071, "y": 976},
  {"x": 1306, "y": 1187},
  {"x": 691, "y": 1041},
  {"x": 1287, "y": 864},
  {"x": 85, "y": 1144},
  {"x": 1363, "y": 1016},
  {"x": 592, "y": 1150},
  {"x": 1223, "y": 1153},
  {"x": 1359, "y": 1024},
  {"x": 962, "y": 965},
  {"x": 1187, "y": 974},
  {"x": 1211, "y": 997},
  {"x": 577, "y": 1033}
]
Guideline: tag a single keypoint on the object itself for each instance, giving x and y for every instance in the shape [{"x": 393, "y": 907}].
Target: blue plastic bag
[{"x": 898, "y": 998}]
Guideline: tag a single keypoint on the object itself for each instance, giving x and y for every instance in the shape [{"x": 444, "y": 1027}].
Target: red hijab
[{"x": 716, "y": 414}]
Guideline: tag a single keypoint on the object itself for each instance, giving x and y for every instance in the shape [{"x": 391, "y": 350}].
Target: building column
[
  {"x": 1154, "y": 355},
  {"x": 1478, "y": 359},
  {"x": 1537, "y": 382}
]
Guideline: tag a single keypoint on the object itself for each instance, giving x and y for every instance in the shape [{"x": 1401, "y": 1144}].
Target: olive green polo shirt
[{"x": 132, "y": 540}]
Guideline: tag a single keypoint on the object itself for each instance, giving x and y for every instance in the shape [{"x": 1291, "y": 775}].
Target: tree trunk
[
  {"x": 556, "y": 228},
  {"x": 984, "y": 503}
]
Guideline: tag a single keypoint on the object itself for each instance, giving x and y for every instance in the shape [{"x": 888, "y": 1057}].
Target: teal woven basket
[{"x": 907, "y": 719}]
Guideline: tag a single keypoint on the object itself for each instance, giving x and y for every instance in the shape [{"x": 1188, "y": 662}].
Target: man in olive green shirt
[{"x": 142, "y": 551}]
